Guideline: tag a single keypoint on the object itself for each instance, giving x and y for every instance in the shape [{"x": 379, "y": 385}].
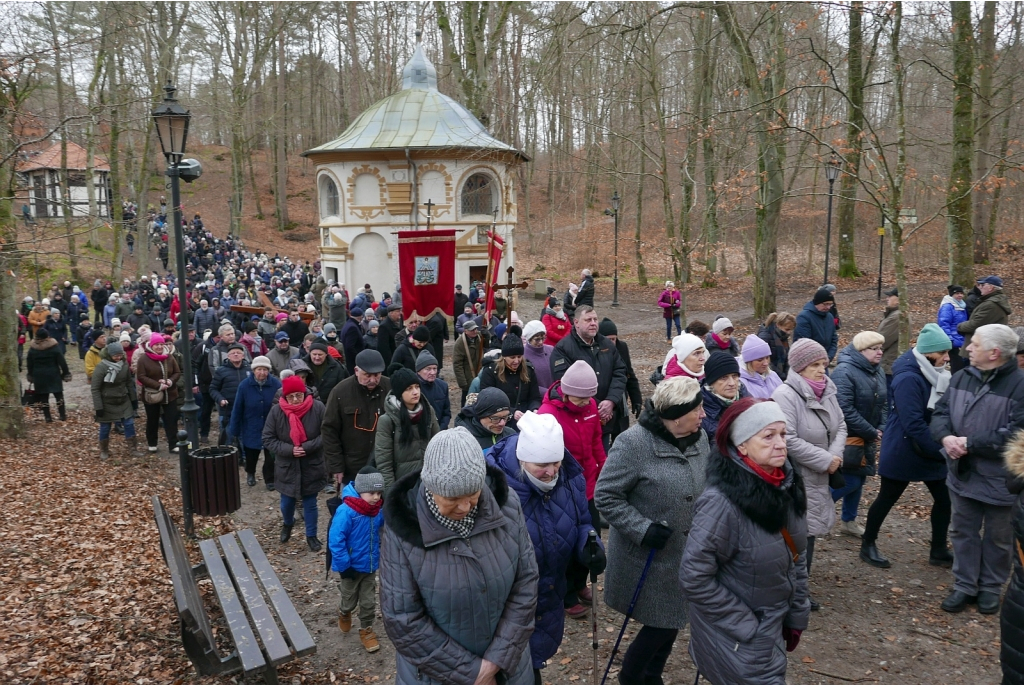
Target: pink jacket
[
  {"x": 581, "y": 428},
  {"x": 670, "y": 300}
]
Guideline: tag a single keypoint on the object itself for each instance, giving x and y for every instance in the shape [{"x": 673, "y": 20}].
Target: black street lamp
[
  {"x": 832, "y": 169},
  {"x": 171, "y": 120},
  {"x": 614, "y": 211}
]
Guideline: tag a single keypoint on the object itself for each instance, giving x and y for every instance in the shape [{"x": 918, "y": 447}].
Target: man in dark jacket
[
  {"x": 584, "y": 342},
  {"x": 350, "y": 422},
  {"x": 410, "y": 350},
  {"x": 325, "y": 371},
  {"x": 295, "y": 327},
  {"x": 585, "y": 296},
  {"x": 460, "y": 300},
  {"x": 226, "y": 379},
  {"x": 816, "y": 322},
  {"x": 608, "y": 329},
  {"x": 389, "y": 328},
  {"x": 467, "y": 357},
  {"x": 890, "y": 330},
  {"x": 137, "y": 318},
  {"x": 979, "y": 413},
  {"x": 351, "y": 337},
  {"x": 991, "y": 307},
  {"x": 438, "y": 327},
  {"x": 434, "y": 389}
]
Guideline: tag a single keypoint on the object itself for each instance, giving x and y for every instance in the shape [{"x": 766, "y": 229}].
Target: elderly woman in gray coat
[
  {"x": 815, "y": 436},
  {"x": 743, "y": 569},
  {"x": 458, "y": 576},
  {"x": 646, "y": 491}
]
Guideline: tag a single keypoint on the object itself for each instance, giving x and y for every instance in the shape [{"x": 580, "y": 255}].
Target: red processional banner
[
  {"x": 495, "y": 246},
  {"x": 426, "y": 268}
]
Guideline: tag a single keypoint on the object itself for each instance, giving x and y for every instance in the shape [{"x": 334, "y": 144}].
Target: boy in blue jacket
[{"x": 354, "y": 542}]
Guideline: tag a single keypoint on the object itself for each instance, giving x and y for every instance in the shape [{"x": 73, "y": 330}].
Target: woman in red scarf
[
  {"x": 292, "y": 433},
  {"x": 157, "y": 372},
  {"x": 744, "y": 568}
]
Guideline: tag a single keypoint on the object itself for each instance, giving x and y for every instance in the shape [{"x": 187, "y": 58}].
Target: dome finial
[
  {"x": 419, "y": 35},
  {"x": 419, "y": 72}
]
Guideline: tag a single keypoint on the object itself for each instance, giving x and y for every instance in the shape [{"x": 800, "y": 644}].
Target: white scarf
[
  {"x": 957, "y": 304},
  {"x": 937, "y": 378},
  {"x": 541, "y": 485}
]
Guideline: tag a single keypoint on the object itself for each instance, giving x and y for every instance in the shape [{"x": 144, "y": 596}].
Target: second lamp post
[
  {"x": 832, "y": 169},
  {"x": 614, "y": 212}
]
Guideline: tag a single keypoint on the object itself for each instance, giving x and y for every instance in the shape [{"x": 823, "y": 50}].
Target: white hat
[
  {"x": 261, "y": 361},
  {"x": 533, "y": 328},
  {"x": 115, "y": 322},
  {"x": 540, "y": 439},
  {"x": 683, "y": 346},
  {"x": 125, "y": 337},
  {"x": 721, "y": 324}
]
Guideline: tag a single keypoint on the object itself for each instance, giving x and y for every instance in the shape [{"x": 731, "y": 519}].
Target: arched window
[
  {"x": 330, "y": 202},
  {"x": 478, "y": 195}
]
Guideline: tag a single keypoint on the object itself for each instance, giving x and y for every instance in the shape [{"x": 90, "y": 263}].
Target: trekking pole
[
  {"x": 629, "y": 612},
  {"x": 592, "y": 545}
]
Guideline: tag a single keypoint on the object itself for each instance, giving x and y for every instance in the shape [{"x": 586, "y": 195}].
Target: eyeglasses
[
  {"x": 295, "y": 395},
  {"x": 875, "y": 348},
  {"x": 498, "y": 419},
  {"x": 371, "y": 429}
]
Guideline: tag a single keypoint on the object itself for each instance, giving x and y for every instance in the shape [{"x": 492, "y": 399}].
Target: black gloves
[
  {"x": 637, "y": 408},
  {"x": 594, "y": 559},
  {"x": 99, "y": 417},
  {"x": 350, "y": 573},
  {"x": 657, "y": 536}
]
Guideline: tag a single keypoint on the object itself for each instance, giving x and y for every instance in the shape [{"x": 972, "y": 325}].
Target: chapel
[{"x": 415, "y": 153}]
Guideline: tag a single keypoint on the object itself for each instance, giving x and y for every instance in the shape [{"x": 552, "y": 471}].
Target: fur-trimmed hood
[
  {"x": 400, "y": 504},
  {"x": 765, "y": 505},
  {"x": 1013, "y": 454},
  {"x": 44, "y": 344}
]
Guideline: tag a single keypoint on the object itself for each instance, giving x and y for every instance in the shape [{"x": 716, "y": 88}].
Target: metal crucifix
[{"x": 429, "y": 204}]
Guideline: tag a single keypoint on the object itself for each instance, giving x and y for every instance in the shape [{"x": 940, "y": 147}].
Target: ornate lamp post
[
  {"x": 832, "y": 168},
  {"x": 171, "y": 120},
  {"x": 614, "y": 212}
]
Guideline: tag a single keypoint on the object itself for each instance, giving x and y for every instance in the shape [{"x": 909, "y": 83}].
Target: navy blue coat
[
  {"x": 252, "y": 405},
  {"x": 558, "y": 523},
  {"x": 860, "y": 388},
  {"x": 226, "y": 380},
  {"x": 908, "y": 424},
  {"x": 818, "y": 326},
  {"x": 437, "y": 394},
  {"x": 351, "y": 337}
]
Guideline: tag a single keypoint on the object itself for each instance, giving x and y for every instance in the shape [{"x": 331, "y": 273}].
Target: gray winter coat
[
  {"x": 739, "y": 575},
  {"x": 449, "y": 602},
  {"x": 113, "y": 401},
  {"x": 392, "y": 458},
  {"x": 296, "y": 476},
  {"x": 815, "y": 432},
  {"x": 989, "y": 412},
  {"x": 647, "y": 480}
]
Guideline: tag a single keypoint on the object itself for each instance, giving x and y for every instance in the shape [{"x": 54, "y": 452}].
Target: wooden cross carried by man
[{"x": 509, "y": 287}]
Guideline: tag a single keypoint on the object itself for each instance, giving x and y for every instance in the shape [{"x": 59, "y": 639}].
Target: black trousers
[
  {"x": 205, "y": 412},
  {"x": 169, "y": 413},
  {"x": 252, "y": 457},
  {"x": 810, "y": 553},
  {"x": 890, "y": 492},
  {"x": 576, "y": 573},
  {"x": 42, "y": 401},
  {"x": 645, "y": 659}
]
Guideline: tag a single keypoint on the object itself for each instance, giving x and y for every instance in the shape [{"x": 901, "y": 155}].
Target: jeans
[
  {"x": 668, "y": 326},
  {"x": 309, "y": 512},
  {"x": 360, "y": 592},
  {"x": 890, "y": 492},
  {"x": 850, "y": 494},
  {"x": 252, "y": 457},
  {"x": 129, "y": 428}
]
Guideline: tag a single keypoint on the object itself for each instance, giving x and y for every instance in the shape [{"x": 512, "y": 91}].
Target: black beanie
[
  {"x": 43, "y": 334},
  {"x": 489, "y": 402},
  {"x": 823, "y": 295},
  {"x": 421, "y": 334},
  {"x": 719, "y": 364},
  {"x": 512, "y": 345},
  {"x": 402, "y": 379},
  {"x": 607, "y": 327}
]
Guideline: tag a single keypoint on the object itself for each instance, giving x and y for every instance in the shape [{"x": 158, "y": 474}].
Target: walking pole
[
  {"x": 629, "y": 612},
  {"x": 592, "y": 545}
]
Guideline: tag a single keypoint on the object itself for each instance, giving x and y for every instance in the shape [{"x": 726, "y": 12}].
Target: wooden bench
[{"x": 241, "y": 596}]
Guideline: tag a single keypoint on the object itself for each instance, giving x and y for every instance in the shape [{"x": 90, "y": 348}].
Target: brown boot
[
  {"x": 104, "y": 449},
  {"x": 345, "y": 622},
  {"x": 369, "y": 639},
  {"x": 133, "y": 447}
]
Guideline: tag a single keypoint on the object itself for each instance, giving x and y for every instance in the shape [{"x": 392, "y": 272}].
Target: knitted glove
[
  {"x": 792, "y": 637},
  {"x": 657, "y": 536}
]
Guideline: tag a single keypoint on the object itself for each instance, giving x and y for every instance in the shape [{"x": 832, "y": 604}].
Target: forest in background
[{"x": 713, "y": 122}]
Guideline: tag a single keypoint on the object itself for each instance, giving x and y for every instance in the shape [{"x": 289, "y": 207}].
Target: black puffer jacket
[
  {"x": 1011, "y": 616},
  {"x": 522, "y": 395},
  {"x": 604, "y": 358},
  {"x": 860, "y": 389}
]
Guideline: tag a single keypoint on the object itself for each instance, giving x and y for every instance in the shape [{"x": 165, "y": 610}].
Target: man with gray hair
[{"x": 980, "y": 412}]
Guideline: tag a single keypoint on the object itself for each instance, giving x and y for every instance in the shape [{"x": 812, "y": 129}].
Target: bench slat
[
  {"x": 186, "y": 593},
  {"x": 241, "y": 633},
  {"x": 294, "y": 628},
  {"x": 274, "y": 645}
]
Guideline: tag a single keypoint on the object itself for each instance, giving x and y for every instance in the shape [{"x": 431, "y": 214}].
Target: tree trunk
[
  {"x": 958, "y": 194},
  {"x": 986, "y": 67},
  {"x": 281, "y": 119},
  {"x": 706, "y": 74},
  {"x": 847, "y": 205},
  {"x": 114, "y": 65},
  {"x": 896, "y": 197}
]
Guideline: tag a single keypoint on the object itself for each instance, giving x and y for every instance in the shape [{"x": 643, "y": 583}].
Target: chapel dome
[{"x": 418, "y": 116}]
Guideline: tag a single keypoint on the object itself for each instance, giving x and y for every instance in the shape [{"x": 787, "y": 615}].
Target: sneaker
[
  {"x": 152, "y": 448},
  {"x": 578, "y": 612},
  {"x": 345, "y": 622},
  {"x": 173, "y": 450},
  {"x": 329, "y": 489},
  {"x": 586, "y": 596},
  {"x": 369, "y": 639},
  {"x": 851, "y": 528}
]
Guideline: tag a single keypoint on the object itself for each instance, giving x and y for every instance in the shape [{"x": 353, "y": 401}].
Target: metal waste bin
[{"x": 214, "y": 480}]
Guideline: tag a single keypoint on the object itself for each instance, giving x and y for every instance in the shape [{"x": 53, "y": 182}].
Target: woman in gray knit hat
[{"x": 458, "y": 577}]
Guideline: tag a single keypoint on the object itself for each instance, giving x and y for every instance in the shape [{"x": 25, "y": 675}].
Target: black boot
[
  {"x": 46, "y": 413},
  {"x": 314, "y": 544},
  {"x": 286, "y": 532},
  {"x": 250, "y": 479},
  {"x": 941, "y": 556},
  {"x": 869, "y": 555},
  {"x": 62, "y": 411}
]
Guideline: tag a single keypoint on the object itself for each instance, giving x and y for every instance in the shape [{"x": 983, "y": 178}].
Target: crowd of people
[{"x": 714, "y": 493}]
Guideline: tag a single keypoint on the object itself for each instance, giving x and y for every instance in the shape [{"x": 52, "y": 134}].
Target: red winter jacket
[
  {"x": 581, "y": 428},
  {"x": 556, "y": 328}
]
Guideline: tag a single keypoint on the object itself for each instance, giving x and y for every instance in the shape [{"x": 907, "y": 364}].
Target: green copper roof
[{"x": 418, "y": 116}]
